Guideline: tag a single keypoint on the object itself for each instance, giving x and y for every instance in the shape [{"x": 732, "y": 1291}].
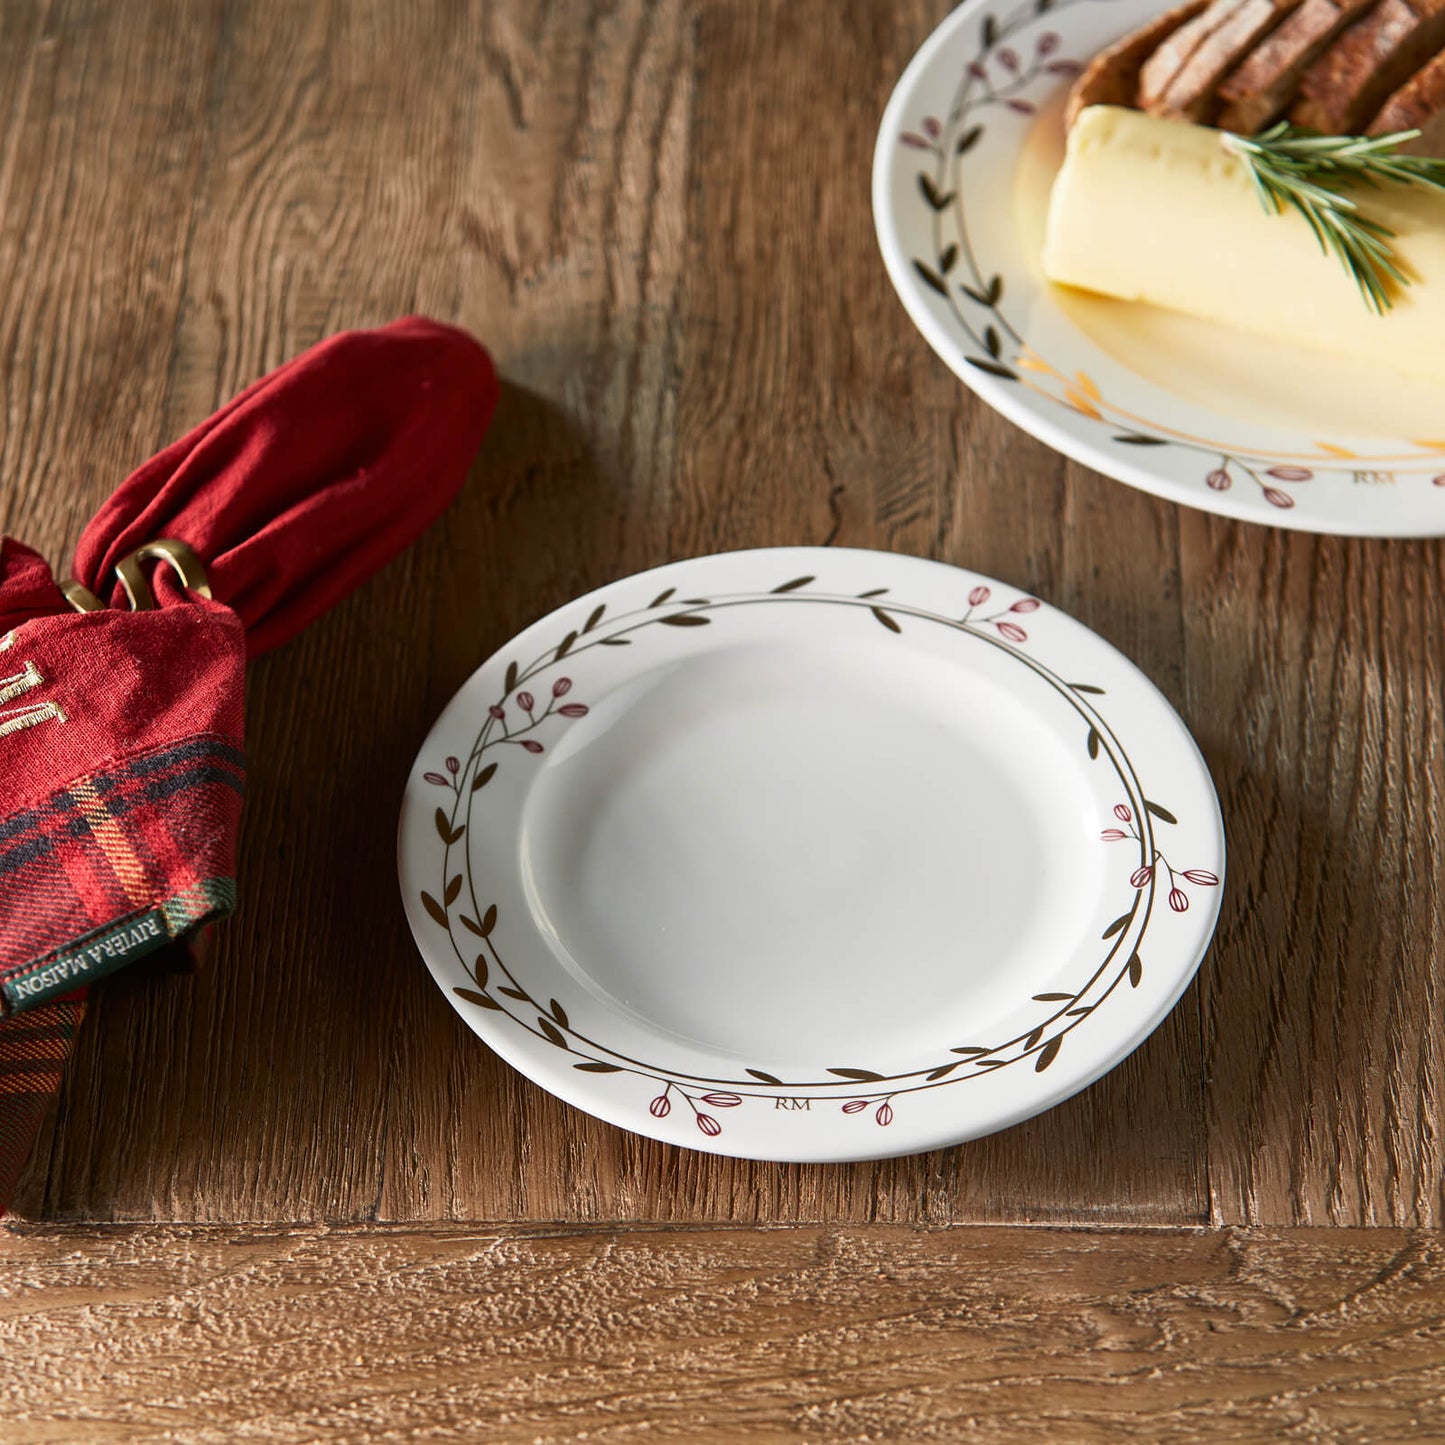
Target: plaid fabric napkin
[{"x": 121, "y": 728}]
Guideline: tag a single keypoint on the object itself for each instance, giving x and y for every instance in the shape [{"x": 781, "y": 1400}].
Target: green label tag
[{"x": 102, "y": 952}]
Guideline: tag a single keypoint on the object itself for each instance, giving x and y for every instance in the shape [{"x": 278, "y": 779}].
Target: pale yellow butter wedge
[{"x": 1159, "y": 211}]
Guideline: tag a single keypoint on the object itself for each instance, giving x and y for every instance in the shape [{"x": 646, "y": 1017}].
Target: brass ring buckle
[{"x": 181, "y": 559}]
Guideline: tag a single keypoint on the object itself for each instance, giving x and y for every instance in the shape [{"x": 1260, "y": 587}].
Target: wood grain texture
[
  {"x": 657, "y": 217},
  {"x": 832, "y": 1335},
  {"x": 1324, "y": 1069}
]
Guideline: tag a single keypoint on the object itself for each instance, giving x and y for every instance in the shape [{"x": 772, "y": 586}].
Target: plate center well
[{"x": 801, "y": 860}]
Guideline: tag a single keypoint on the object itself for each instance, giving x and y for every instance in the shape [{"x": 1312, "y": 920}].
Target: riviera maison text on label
[{"x": 97, "y": 956}]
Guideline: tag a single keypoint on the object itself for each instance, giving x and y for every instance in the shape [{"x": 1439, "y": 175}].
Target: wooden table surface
[{"x": 293, "y": 1198}]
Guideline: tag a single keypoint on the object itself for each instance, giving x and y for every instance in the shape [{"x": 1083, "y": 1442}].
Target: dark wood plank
[
  {"x": 835, "y": 1335},
  {"x": 657, "y": 216},
  {"x": 672, "y": 257},
  {"x": 1315, "y": 681}
]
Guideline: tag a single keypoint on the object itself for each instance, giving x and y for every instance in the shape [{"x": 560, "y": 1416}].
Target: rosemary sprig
[{"x": 1291, "y": 166}]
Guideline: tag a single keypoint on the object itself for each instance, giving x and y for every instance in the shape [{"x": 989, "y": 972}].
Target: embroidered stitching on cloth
[{"x": 17, "y": 685}]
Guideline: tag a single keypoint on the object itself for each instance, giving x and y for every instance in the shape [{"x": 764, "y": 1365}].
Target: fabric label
[{"x": 91, "y": 958}]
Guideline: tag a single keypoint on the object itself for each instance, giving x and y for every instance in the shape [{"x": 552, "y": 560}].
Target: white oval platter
[{"x": 1213, "y": 419}]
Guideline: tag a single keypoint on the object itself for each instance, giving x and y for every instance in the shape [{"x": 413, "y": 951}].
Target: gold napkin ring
[
  {"x": 181, "y": 559},
  {"x": 81, "y": 597}
]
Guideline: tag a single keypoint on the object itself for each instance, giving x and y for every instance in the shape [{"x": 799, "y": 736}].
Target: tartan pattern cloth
[
  {"x": 115, "y": 864},
  {"x": 99, "y": 873},
  {"x": 117, "y": 828},
  {"x": 32, "y": 1063}
]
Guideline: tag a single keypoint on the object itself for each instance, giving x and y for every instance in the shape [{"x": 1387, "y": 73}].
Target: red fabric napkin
[{"x": 121, "y": 768}]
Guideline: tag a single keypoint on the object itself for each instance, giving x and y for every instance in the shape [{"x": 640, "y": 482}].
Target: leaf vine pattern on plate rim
[
  {"x": 998, "y": 76},
  {"x": 515, "y": 718}
]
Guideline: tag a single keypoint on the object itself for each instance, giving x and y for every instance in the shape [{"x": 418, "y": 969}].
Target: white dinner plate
[
  {"x": 810, "y": 854},
  {"x": 1201, "y": 414}
]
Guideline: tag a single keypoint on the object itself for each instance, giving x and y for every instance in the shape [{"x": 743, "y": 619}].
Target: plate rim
[
  {"x": 955, "y": 1126},
  {"x": 1018, "y": 408}
]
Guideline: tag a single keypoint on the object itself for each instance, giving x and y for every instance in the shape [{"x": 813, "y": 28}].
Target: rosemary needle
[{"x": 1294, "y": 167}]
